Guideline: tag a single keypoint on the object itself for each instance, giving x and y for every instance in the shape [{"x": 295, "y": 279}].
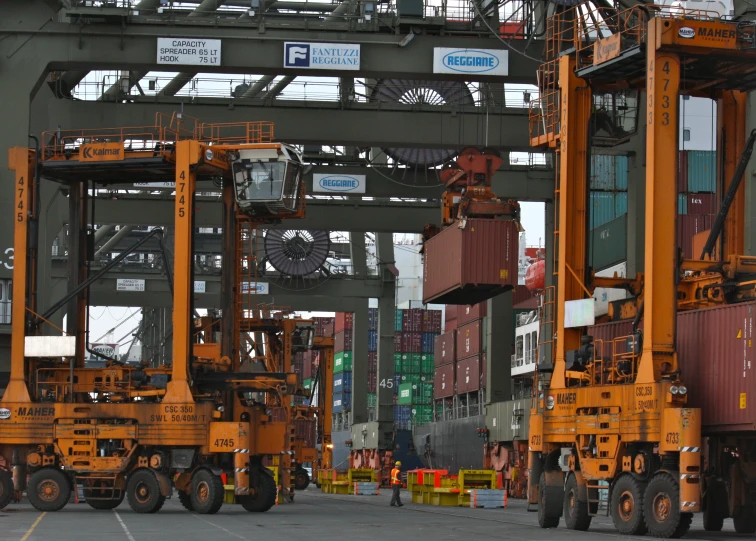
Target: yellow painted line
[{"x": 30, "y": 530}]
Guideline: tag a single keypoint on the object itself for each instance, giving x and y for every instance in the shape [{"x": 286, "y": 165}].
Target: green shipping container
[
  {"x": 342, "y": 362},
  {"x": 371, "y": 399},
  {"x": 422, "y": 394},
  {"x": 608, "y": 172},
  {"x": 422, "y": 415},
  {"x": 413, "y": 378},
  {"x": 397, "y": 363},
  {"x": 608, "y": 244},
  {"x": 415, "y": 363},
  {"x": 427, "y": 365},
  {"x": 702, "y": 171},
  {"x": 682, "y": 203},
  {"x": 307, "y": 384},
  {"x": 605, "y": 207},
  {"x": 405, "y": 394}
]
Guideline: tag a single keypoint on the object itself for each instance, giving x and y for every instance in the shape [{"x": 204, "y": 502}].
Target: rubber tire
[
  {"x": 58, "y": 477},
  {"x": 301, "y": 479},
  {"x": 745, "y": 522},
  {"x": 264, "y": 499},
  {"x": 185, "y": 500},
  {"x": 678, "y": 523},
  {"x": 713, "y": 518},
  {"x": 577, "y": 517},
  {"x": 6, "y": 489},
  {"x": 543, "y": 520},
  {"x": 215, "y": 488},
  {"x": 635, "y": 525},
  {"x": 155, "y": 500}
]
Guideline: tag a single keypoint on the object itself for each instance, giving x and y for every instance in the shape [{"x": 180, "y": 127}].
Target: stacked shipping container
[{"x": 697, "y": 200}]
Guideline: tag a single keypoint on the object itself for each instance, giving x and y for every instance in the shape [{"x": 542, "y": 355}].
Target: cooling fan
[{"x": 299, "y": 257}]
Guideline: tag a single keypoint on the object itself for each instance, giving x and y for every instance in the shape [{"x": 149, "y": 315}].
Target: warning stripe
[
  {"x": 241, "y": 451},
  {"x": 690, "y": 449},
  {"x": 689, "y": 475},
  {"x": 242, "y": 470}
]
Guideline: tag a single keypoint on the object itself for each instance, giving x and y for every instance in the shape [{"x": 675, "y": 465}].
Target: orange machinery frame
[
  {"x": 626, "y": 424},
  {"x": 43, "y": 437}
]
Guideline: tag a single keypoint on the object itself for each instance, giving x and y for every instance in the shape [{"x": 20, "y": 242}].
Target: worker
[{"x": 396, "y": 485}]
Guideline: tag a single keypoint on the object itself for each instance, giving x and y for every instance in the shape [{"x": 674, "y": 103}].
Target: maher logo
[
  {"x": 686, "y": 32},
  {"x": 5, "y": 413}
]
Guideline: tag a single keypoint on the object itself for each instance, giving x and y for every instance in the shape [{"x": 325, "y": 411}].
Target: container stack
[
  {"x": 607, "y": 243},
  {"x": 460, "y": 359},
  {"x": 697, "y": 200},
  {"x": 415, "y": 333},
  {"x": 372, "y": 356},
  {"x": 342, "y": 362}
]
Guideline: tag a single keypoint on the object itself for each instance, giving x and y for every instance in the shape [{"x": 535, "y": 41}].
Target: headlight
[
  {"x": 674, "y": 389},
  {"x": 209, "y": 155},
  {"x": 682, "y": 389}
]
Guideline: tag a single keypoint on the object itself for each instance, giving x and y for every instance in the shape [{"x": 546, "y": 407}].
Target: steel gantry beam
[{"x": 325, "y": 123}]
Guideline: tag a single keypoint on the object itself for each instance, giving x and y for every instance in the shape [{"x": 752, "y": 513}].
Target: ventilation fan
[{"x": 296, "y": 252}]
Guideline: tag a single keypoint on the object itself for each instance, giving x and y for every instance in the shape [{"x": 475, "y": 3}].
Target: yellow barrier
[
  {"x": 437, "y": 487},
  {"x": 230, "y": 497},
  {"x": 342, "y": 482}
]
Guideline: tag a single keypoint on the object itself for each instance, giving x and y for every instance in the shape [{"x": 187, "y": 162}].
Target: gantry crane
[
  {"x": 127, "y": 430},
  {"x": 610, "y": 430}
]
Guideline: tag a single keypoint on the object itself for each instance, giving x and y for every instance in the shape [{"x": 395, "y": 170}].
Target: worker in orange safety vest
[{"x": 396, "y": 485}]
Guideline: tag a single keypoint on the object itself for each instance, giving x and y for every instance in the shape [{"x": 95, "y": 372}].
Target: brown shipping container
[
  {"x": 702, "y": 203},
  {"x": 468, "y": 340},
  {"x": 372, "y": 361},
  {"x": 372, "y": 379},
  {"x": 412, "y": 342},
  {"x": 432, "y": 321},
  {"x": 342, "y": 341},
  {"x": 471, "y": 264},
  {"x": 682, "y": 171},
  {"x": 715, "y": 351},
  {"x": 398, "y": 342},
  {"x": 472, "y": 312},
  {"x": 414, "y": 318},
  {"x": 468, "y": 375},
  {"x": 443, "y": 381},
  {"x": 688, "y": 226},
  {"x": 344, "y": 320},
  {"x": 304, "y": 429},
  {"x": 444, "y": 348}
]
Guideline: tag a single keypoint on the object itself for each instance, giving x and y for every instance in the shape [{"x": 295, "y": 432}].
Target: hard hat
[{"x": 398, "y": 464}]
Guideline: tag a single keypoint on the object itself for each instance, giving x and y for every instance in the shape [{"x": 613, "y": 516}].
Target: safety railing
[
  {"x": 236, "y": 132},
  {"x": 615, "y": 361}
]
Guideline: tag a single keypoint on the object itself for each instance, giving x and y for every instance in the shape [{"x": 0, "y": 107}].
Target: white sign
[
  {"x": 322, "y": 56},
  {"x": 170, "y": 185},
  {"x": 470, "y": 61},
  {"x": 261, "y": 288},
  {"x": 189, "y": 52},
  {"x": 129, "y": 284},
  {"x": 339, "y": 183},
  {"x": 579, "y": 313},
  {"x": 199, "y": 287},
  {"x": 5, "y": 413}
]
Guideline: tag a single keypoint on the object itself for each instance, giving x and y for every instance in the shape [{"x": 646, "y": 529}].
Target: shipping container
[
  {"x": 342, "y": 362},
  {"x": 413, "y": 378},
  {"x": 415, "y": 364},
  {"x": 702, "y": 171},
  {"x": 342, "y": 341},
  {"x": 608, "y": 172},
  {"x": 310, "y": 367},
  {"x": 469, "y": 340},
  {"x": 344, "y": 320},
  {"x": 605, "y": 207},
  {"x": 445, "y": 346},
  {"x": 682, "y": 204},
  {"x": 398, "y": 320},
  {"x": 443, "y": 381},
  {"x": 372, "y": 381},
  {"x": 422, "y": 415},
  {"x": 689, "y": 226},
  {"x": 682, "y": 171},
  {"x": 427, "y": 342},
  {"x": 607, "y": 245},
  {"x": 342, "y": 402},
  {"x": 342, "y": 382},
  {"x": 403, "y": 414},
  {"x": 398, "y": 363},
  {"x": 405, "y": 394},
  {"x": 372, "y": 340},
  {"x": 372, "y": 361},
  {"x": 472, "y": 313},
  {"x": 701, "y": 203},
  {"x": 432, "y": 320},
  {"x": 397, "y": 383},
  {"x": 307, "y": 384},
  {"x": 471, "y": 264},
  {"x": 372, "y": 319},
  {"x": 324, "y": 326},
  {"x": 412, "y": 342},
  {"x": 397, "y": 341},
  {"x": 304, "y": 431},
  {"x": 468, "y": 375},
  {"x": 427, "y": 363},
  {"x": 451, "y": 313},
  {"x": 603, "y": 295},
  {"x": 422, "y": 393}
]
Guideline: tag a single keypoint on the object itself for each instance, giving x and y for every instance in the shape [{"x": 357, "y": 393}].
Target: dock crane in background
[{"x": 122, "y": 430}]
